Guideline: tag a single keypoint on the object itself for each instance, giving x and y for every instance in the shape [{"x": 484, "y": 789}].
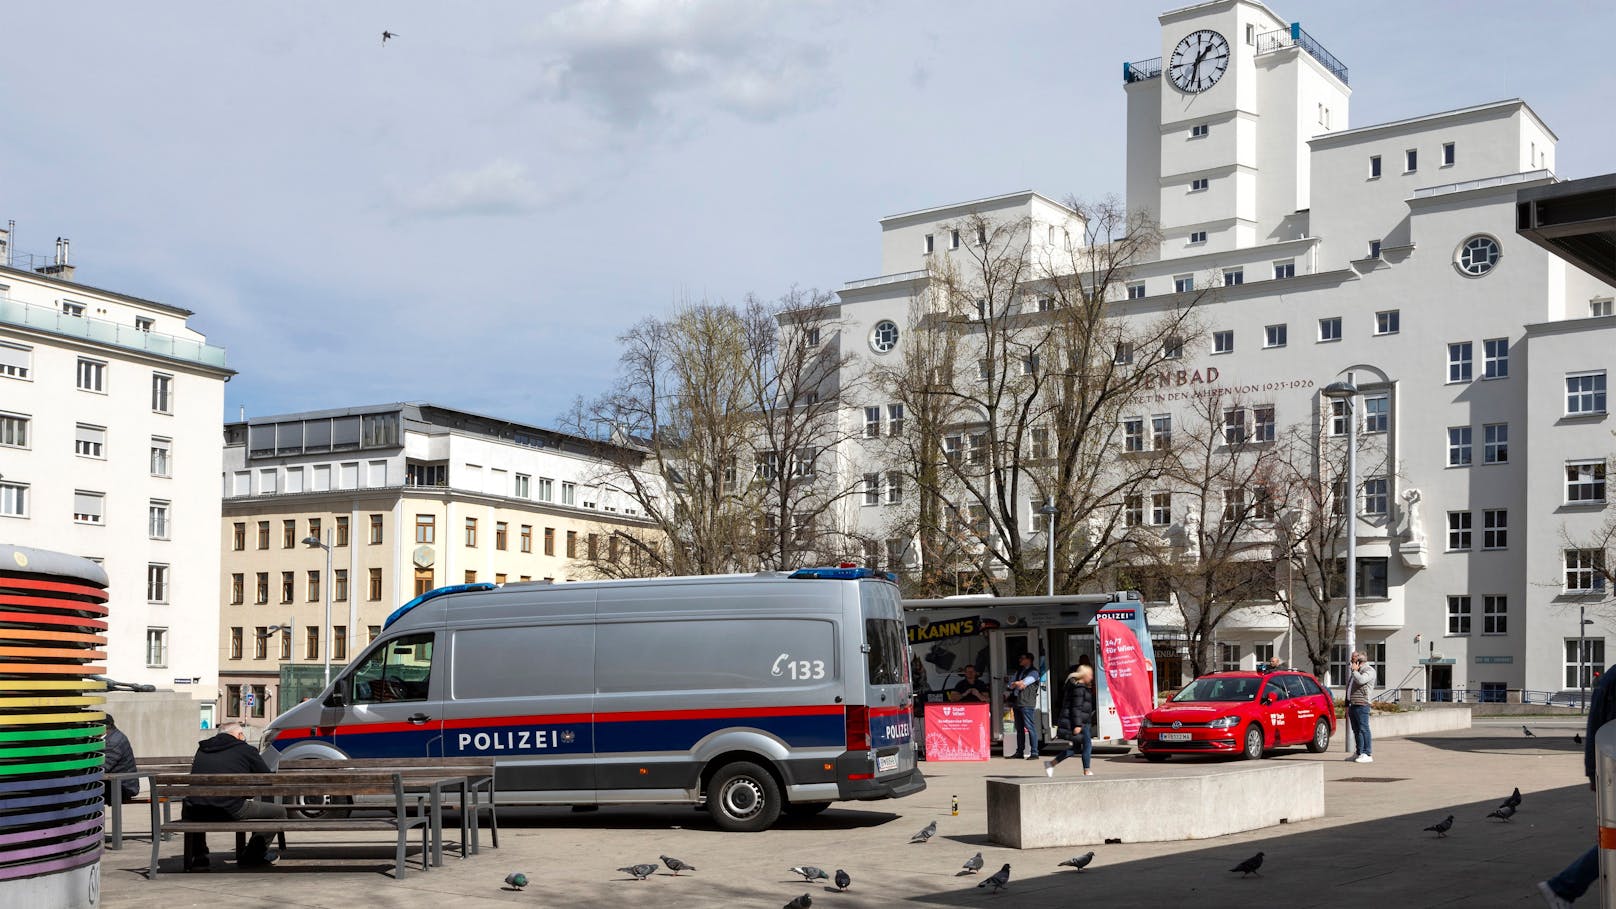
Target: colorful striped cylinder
[{"x": 53, "y": 624}]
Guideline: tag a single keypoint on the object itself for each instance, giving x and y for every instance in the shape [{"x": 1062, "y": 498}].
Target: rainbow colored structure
[{"x": 53, "y": 623}]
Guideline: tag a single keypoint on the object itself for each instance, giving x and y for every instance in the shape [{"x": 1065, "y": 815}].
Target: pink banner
[
  {"x": 1127, "y": 675},
  {"x": 957, "y": 732}
]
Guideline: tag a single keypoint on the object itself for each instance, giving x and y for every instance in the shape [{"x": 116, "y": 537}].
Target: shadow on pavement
[
  {"x": 667, "y": 817},
  {"x": 1499, "y": 744}
]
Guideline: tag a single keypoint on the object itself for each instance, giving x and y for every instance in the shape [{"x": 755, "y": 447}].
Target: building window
[
  {"x": 89, "y": 441},
  {"x": 1133, "y": 434},
  {"x": 1459, "y": 531},
  {"x": 1198, "y": 130},
  {"x": 13, "y": 430},
  {"x": 92, "y": 375},
  {"x": 288, "y": 586},
  {"x": 1494, "y": 614},
  {"x": 316, "y": 529},
  {"x": 1374, "y": 167},
  {"x": 549, "y": 541},
  {"x": 1477, "y": 256},
  {"x": 1173, "y": 348},
  {"x": 1372, "y": 580},
  {"x": 1029, "y": 365},
  {"x": 1161, "y": 508},
  {"x": 1585, "y": 394},
  {"x": 1447, "y": 154},
  {"x": 523, "y": 486},
  {"x": 1161, "y": 432},
  {"x": 1229, "y": 657},
  {"x": 14, "y": 500},
  {"x": 156, "y": 583},
  {"x": 1376, "y": 413},
  {"x": 426, "y": 530},
  {"x": 235, "y": 643},
  {"x": 572, "y": 544},
  {"x": 1375, "y": 497},
  {"x": 526, "y": 537},
  {"x": 263, "y": 534},
  {"x": 471, "y": 533},
  {"x": 339, "y": 643},
  {"x": 1585, "y": 482},
  {"x": 1264, "y": 427},
  {"x": 1388, "y": 322},
  {"x": 312, "y": 591},
  {"x": 930, "y": 245},
  {"x": 1411, "y": 160},
  {"x": 1285, "y": 269},
  {"x": 425, "y": 580},
  {"x": 1374, "y": 249},
  {"x": 1602, "y": 307},
  {"x": 1275, "y": 335},
  {"x": 16, "y": 361},
  {"x": 375, "y": 530},
  {"x": 1458, "y": 446},
  {"x": 311, "y": 643},
  {"x": 569, "y": 493},
  {"x": 156, "y": 648},
  {"x": 88, "y": 507},
  {"x": 372, "y": 633},
  {"x": 232, "y": 700},
  {"x": 157, "y": 520},
  {"x": 894, "y": 488},
  {"x": 375, "y": 585},
  {"x": 1582, "y": 669},
  {"x": 1136, "y": 290},
  {"x": 894, "y": 419},
  {"x": 261, "y": 588},
  {"x": 884, "y": 336},
  {"x": 1458, "y": 615},
  {"x": 1495, "y": 358},
  {"x": 1459, "y": 361},
  {"x": 1234, "y": 504},
  {"x": 1338, "y": 417},
  {"x": 502, "y": 534},
  {"x": 1233, "y": 276},
  {"x": 953, "y": 239},
  {"x": 1330, "y": 329},
  {"x": 546, "y": 489},
  {"x": 339, "y": 585},
  {"x": 1495, "y": 443},
  {"x": 1495, "y": 528},
  {"x": 289, "y": 534},
  {"x": 1133, "y": 510},
  {"x": 872, "y": 422},
  {"x": 162, "y": 393},
  {"x": 1124, "y": 354},
  {"x": 1234, "y": 425},
  {"x": 1197, "y": 237},
  {"x": 1585, "y": 571},
  {"x": 144, "y": 324},
  {"x": 341, "y": 531},
  {"x": 1199, "y": 184},
  {"x": 1183, "y": 283},
  {"x": 238, "y": 589}
]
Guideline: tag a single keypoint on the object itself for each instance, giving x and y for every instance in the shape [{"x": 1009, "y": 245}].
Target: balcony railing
[
  {"x": 1296, "y": 36},
  {"x": 45, "y": 318},
  {"x": 1142, "y": 70}
]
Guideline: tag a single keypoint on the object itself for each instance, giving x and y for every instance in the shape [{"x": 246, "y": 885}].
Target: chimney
[{"x": 60, "y": 267}]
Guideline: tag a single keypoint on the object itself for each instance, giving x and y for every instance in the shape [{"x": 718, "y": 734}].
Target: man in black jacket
[
  {"x": 228, "y": 752},
  {"x": 120, "y": 758},
  {"x": 1569, "y": 885}
]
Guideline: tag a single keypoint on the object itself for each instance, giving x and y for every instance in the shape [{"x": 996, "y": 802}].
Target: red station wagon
[{"x": 1244, "y": 713}]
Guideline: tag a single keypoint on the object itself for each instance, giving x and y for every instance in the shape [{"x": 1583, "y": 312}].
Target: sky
[{"x": 473, "y": 213}]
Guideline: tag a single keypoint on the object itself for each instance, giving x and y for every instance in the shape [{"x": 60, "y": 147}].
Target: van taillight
[{"x": 858, "y": 728}]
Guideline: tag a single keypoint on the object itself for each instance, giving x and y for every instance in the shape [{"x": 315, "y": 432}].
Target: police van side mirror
[{"x": 339, "y": 694}]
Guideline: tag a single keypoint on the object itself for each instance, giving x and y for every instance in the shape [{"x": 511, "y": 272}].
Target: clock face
[{"x": 1199, "y": 61}]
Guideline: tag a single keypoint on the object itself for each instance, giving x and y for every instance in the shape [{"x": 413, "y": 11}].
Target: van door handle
[{"x": 419, "y": 718}]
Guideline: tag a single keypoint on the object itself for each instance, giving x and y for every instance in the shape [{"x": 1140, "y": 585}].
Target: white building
[
  {"x": 1388, "y": 252},
  {"x": 109, "y": 446}
]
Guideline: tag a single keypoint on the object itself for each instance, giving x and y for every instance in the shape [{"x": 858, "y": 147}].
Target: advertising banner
[
  {"x": 1127, "y": 674},
  {"x": 957, "y": 732}
]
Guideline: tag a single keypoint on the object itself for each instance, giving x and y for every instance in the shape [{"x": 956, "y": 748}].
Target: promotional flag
[{"x": 1127, "y": 674}]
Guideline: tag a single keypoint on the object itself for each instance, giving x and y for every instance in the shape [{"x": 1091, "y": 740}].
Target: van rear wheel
[{"x": 743, "y": 797}]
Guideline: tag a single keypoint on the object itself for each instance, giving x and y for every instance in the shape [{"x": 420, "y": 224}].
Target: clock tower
[{"x": 1218, "y": 126}]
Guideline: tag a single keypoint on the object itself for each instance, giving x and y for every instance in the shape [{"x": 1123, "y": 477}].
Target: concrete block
[
  {"x": 158, "y": 723},
  {"x": 1201, "y": 802},
  {"x": 1416, "y": 722}
]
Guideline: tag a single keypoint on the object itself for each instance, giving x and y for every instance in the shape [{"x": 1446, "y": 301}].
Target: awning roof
[{"x": 1575, "y": 220}]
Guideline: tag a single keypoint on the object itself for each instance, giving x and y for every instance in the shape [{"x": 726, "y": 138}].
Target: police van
[{"x": 750, "y": 694}]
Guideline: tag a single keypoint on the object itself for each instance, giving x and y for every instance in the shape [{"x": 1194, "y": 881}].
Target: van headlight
[
  {"x": 267, "y": 739},
  {"x": 1224, "y": 722}
]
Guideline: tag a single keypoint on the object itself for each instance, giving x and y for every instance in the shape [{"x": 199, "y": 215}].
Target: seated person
[
  {"x": 120, "y": 758},
  {"x": 972, "y": 688},
  {"x": 228, "y": 752}
]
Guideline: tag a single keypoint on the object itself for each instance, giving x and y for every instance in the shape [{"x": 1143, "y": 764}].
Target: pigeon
[
  {"x": 842, "y": 881},
  {"x": 1079, "y": 862},
  {"x": 810, "y": 873},
  {"x": 639, "y": 872},
  {"x": 1503, "y": 813},
  {"x": 972, "y": 865},
  {"x": 1577, "y": 737},
  {"x": 675, "y": 865},
  {"x": 801, "y": 902},
  {"x": 999, "y": 880},
  {"x": 1514, "y": 800},
  {"x": 1442, "y": 827},
  {"x": 1249, "y": 866},
  {"x": 1529, "y": 733},
  {"x": 516, "y": 880},
  {"x": 386, "y": 37},
  {"x": 925, "y": 834}
]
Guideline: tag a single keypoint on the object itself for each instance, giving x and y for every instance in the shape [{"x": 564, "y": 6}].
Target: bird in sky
[
  {"x": 1514, "y": 800},
  {"x": 639, "y": 872},
  {"x": 1080, "y": 862},
  {"x": 842, "y": 881},
  {"x": 386, "y": 37},
  {"x": 1503, "y": 813},
  {"x": 926, "y": 833},
  {"x": 675, "y": 865},
  {"x": 1441, "y": 828},
  {"x": 810, "y": 873},
  {"x": 1249, "y": 866},
  {"x": 999, "y": 880},
  {"x": 972, "y": 865},
  {"x": 516, "y": 880},
  {"x": 801, "y": 902}
]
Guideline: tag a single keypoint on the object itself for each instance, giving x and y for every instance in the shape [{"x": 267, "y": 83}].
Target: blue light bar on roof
[
  {"x": 844, "y": 574},
  {"x": 432, "y": 595}
]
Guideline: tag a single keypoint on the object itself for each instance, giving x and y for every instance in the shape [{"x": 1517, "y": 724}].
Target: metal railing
[
  {"x": 1142, "y": 70},
  {"x": 885, "y": 279},
  {"x": 1296, "y": 36},
  {"x": 45, "y": 318}
]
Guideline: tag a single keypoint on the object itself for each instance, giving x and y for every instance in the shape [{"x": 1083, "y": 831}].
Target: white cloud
[
  {"x": 629, "y": 60},
  {"x": 500, "y": 187}
]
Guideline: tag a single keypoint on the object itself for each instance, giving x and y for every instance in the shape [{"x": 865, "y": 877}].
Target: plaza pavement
[{"x": 1368, "y": 851}]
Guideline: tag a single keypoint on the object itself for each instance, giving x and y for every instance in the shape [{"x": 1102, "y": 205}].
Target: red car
[{"x": 1243, "y": 713}]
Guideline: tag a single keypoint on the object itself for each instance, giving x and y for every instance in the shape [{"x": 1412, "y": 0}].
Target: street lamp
[
  {"x": 1049, "y": 511},
  {"x": 1582, "y": 654},
  {"x": 1346, "y": 392},
  {"x": 325, "y": 588}
]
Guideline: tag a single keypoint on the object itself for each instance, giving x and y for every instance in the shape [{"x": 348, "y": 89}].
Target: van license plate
[
  {"x": 886, "y": 764},
  {"x": 1175, "y": 737}
]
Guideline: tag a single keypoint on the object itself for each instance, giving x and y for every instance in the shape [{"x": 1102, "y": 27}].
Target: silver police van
[{"x": 751, "y": 694}]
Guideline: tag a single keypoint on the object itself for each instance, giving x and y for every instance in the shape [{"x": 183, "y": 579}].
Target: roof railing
[{"x": 1141, "y": 70}]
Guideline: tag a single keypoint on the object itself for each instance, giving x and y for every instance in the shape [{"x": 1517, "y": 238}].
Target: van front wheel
[{"x": 743, "y": 797}]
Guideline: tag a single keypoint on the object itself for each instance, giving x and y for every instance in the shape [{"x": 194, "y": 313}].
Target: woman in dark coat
[{"x": 1077, "y": 716}]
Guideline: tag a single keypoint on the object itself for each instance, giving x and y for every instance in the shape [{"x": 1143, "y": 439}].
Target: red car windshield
[{"x": 1219, "y": 689}]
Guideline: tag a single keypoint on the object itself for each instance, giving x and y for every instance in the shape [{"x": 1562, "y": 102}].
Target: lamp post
[
  {"x": 1049, "y": 511},
  {"x": 1346, "y": 392},
  {"x": 325, "y": 588},
  {"x": 1582, "y": 655}
]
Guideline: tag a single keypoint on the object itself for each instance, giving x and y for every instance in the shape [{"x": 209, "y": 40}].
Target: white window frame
[
  {"x": 1197, "y": 237},
  {"x": 872, "y": 422},
  {"x": 85, "y": 517},
  {"x": 1374, "y": 167},
  {"x": 22, "y": 372},
  {"x": 159, "y": 519},
  {"x": 1374, "y": 249},
  {"x": 158, "y": 583},
  {"x": 1461, "y": 446},
  {"x": 1276, "y": 336},
  {"x": 1584, "y": 571},
  {"x": 1199, "y": 184},
  {"x": 14, "y": 430},
  {"x": 1376, "y": 497},
  {"x": 1461, "y": 531},
  {"x": 1136, "y": 290},
  {"x": 1459, "y": 614},
  {"x": 1199, "y": 130},
  {"x": 159, "y": 658},
  {"x": 1284, "y": 268},
  {"x": 895, "y": 419},
  {"x": 1234, "y": 277},
  {"x": 1495, "y": 358},
  {"x": 1495, "y": 443},
  {"x": 872, "y": 489},
  {"x": 1585, "y": 482},
  {"x": 1449, "y": 154},
  {"x": 1585, "y": 401},
  {"x": 1133, "y": 434},
  {"x": 1461, "y": 362},
  {"x": 1183, "y": 284},
  {"x": 1377, "y": 413},
  {"x": 1388, "y": 322},
  {"x": 1329, "y": 329},
  {"x": 161, "y": 454},
  {"x": 92, "y": 375},
  {"x": 1494, "y": 614},
  {"x": 92, "y": 447},
  {"x": 1161, "y": 431},
  {"x": 1161, "y": 509},
  {"x": 1234, "y": 425},
  {"x": 894, "y": 488},
  {"x": 1133, "y": 510},
  {"x": 1223, "y": 341},
  {"x": 1601, "y": 306},
  {"x": 1411, "y": 160},
  {"x": 1264, "y": 426},
  {"x": 13, "y": 499},
  {"x": 162, "y": 392},
  {"x": 1494, "y": 528}
]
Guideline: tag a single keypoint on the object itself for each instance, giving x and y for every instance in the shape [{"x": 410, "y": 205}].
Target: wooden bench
[
  {"x": 173, "y": 786},
  {"x": 479, "y": 773},
  {"x": 144, "y": 769}
]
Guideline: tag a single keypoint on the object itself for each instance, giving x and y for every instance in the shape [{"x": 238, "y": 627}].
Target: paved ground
[{"x": 1368, "y": 852}]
